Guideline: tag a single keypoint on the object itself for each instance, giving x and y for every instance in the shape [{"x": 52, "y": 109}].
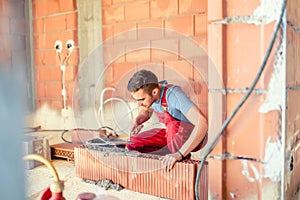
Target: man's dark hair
[{"x": 143, "y": 79}]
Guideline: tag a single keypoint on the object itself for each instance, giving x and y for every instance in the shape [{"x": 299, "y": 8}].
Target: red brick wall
[
  {"x": 12, "y": 34},
  {"x": 124, "y": 23},
  {"x": 54, "y": 20},
  {"x": 293, "y": 82}
]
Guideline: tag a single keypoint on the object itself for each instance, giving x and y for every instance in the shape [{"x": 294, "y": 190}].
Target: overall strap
[{"x": 164, "y": 97}]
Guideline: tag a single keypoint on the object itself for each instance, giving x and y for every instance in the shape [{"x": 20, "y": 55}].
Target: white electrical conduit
[
  {"x": 103, "y": 102},
  {"x": 58, "y": 47}
]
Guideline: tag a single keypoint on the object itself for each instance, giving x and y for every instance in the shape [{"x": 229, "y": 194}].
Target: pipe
[
  {"x": 103, "y": 102},
  {"x": 57, "y": 186},
  {"x": 45, "y": 162}
]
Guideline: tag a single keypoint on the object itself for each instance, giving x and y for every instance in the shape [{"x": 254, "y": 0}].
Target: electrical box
[{"x": 35, "y": 145}]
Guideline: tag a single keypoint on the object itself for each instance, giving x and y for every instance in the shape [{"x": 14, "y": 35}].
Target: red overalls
[{"x": 163, "y": 141}]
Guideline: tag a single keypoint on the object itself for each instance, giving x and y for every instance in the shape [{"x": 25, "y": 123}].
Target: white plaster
[
  {"x": 273, "y": 160},
  {"x": 268, "y": 11},
  {"x": 246, "y": 172},
  {"x": 232, "y": 195},
  {"x": 51, "y": 119},
  {"x": 274, "y": 100}
]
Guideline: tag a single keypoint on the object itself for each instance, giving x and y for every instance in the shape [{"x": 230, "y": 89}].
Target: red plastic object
[
  {"x": 48, "y": 195},
  {"x": 86, "y": 196}
]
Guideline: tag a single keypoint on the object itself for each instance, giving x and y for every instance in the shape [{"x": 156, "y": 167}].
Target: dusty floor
[{"x": 40, "y": 177}]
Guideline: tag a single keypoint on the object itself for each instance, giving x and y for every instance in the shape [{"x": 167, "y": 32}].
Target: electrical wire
[
  {"x": 45, "y": 162},
  {"x": 101, "y": 128},
  {"x": 237, "y": 108},
  {"x": 63, "y": 138}
]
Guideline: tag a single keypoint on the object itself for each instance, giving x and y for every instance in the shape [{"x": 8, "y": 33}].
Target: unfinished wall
[
  {"x": 53, "y": 20},
  {"x": 249, "y": 159},
  {"x": 292, "y": 169},
  {"x": 169, "y": 37},
  {"x": 13, "y": 94},
  {"x": 13, "y": 49},
  {"x": 236, "y": 35}
]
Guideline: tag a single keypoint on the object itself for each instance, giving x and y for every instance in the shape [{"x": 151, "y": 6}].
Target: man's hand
[
  {"x": 136, "y": 129},
  {"x": 169, "y": 160}
]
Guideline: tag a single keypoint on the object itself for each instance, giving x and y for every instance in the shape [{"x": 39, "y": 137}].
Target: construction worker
[{"x": 186, "y": 127}]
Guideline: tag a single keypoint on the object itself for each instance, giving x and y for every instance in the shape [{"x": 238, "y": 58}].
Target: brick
[
  {"x": 162, "y": 9},
  {"x": 12, "y": 9},
  {"x": 109, "y": 73},
  {"x": 5, "y": 8},
  {"x": 217, "y": 12},
  {"x": 201, "y": 24},
  {"x": 55, "y": 23},
  {"x": 182, "y": 67},
  {"x": 50, "y": 58},
  {"x": 113, "y": 52},
  {"x": 19, "y": 60},
  {"x": 297, "y": 58},
  {"x": 74, "y": 58},
  {"x": 18, "y": 26},
  {"x": 38, "y": 41},
  {"x": 18, "y": 42},
  {"x": 201, "y": 91},
  {"x": 67, "y": 5},
  {"x": 241, "y": 7},
  {"x": 125, "y": 33},
  {"x": 112, "y": 15},
  {"x": 40, "y": 90},
  {"x": 71, "y": 73},
  {"x": 192, "y": 6},
  {"x": 201, "y": 69},
  {"x": 121, "y": 1},
  {"x": 291, "y": 62},
  {"x": 202, "y": 41},
  {"x": 189, "y": 49},
  {"x": 138, "y": 52},
  {"x": 5, "y": 59},
  {"x": 53, "y": 90},
  {"x": 242, "y": 67},
  {"x": 38, "y": 58},
  {"x": 47, "y": 74},
  {"x": 6, "y": 42},
  {"x": 4, "y": 24},
  {"x": 45, "y": 8},
  {"x": 138, "y": 56},
  {"x": 72, "y": 22},
  {"x": 137, "y": 10},
  {"x": 181, "y": 24},
  {"x": 107, "y": 33},
  {"x": 158, "y": 55},
  {"x": 150, "y": 30},
  {"x": 166, "y": 49},
  {"x": 47, "y": 41},
  {"x": 106, "y": 3},
  {"x": 39, "y": 26},
  {"x": 121, "y": 70}
]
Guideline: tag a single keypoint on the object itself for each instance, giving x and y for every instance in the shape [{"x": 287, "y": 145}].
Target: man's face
[{"x": 143, "y": 98}]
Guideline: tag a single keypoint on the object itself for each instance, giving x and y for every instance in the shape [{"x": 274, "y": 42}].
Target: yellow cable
[{"x": 44, "y": 161}]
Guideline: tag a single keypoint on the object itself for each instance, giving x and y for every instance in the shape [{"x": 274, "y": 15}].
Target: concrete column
[{"x": 91, "y": 65}]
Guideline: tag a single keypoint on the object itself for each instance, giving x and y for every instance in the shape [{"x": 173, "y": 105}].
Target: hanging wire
[{"x": 243, "y": 100}]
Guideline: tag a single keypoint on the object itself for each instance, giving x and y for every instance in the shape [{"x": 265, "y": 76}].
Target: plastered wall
[{"x": 234, "y": 38}]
